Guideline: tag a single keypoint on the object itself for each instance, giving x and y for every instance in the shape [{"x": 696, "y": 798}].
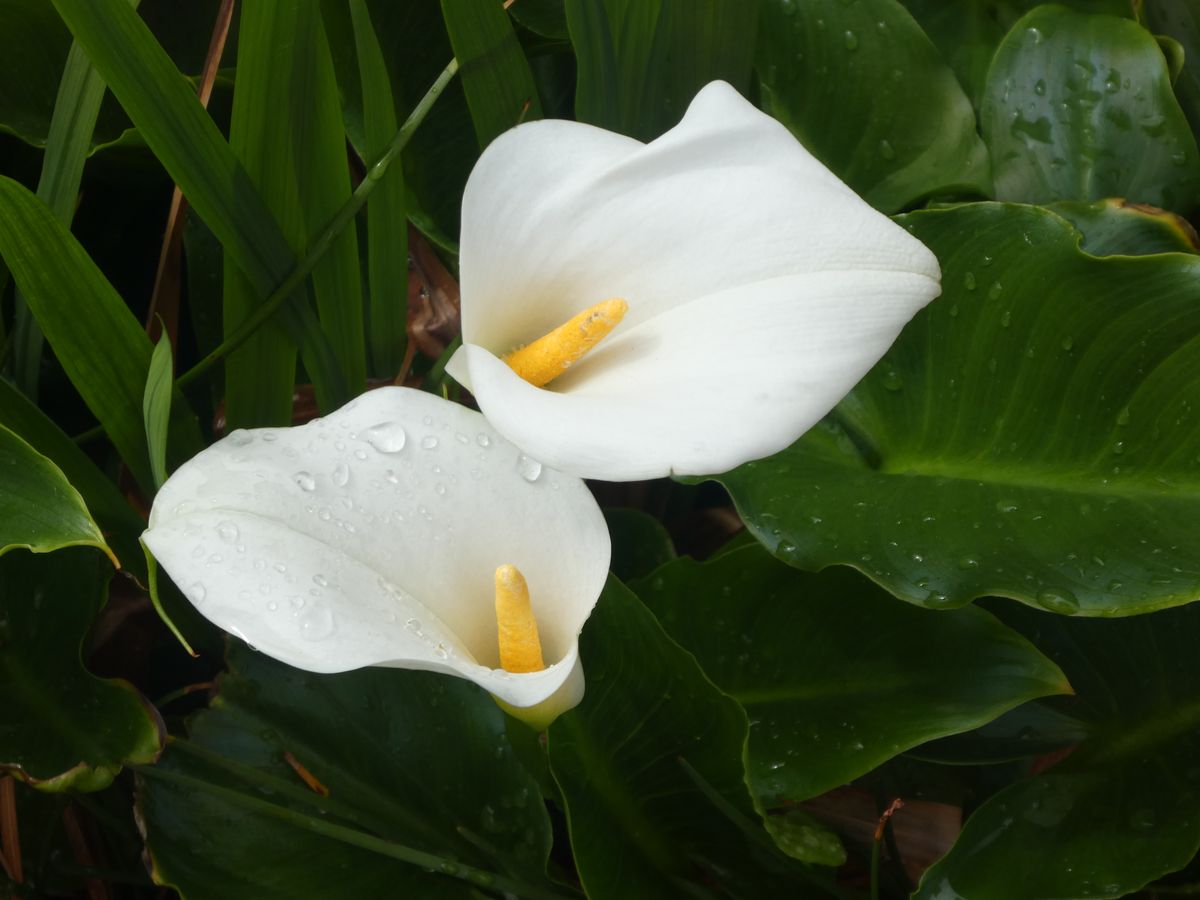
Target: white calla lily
[
  {"x": 760, "y": 289},
  {"x": 372, "y": 537}
]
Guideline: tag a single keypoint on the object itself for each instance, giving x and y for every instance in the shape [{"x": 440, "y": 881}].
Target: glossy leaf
[
  {"x": 34, "y": 44},
  {"x": 387, "y": 225},
  {"x": 1121, "y": 810},
  {"x": 640, "y": 62},
  {"x": 840, "y": 77},
  {"x": 60, "y": 727},
  {"x": 545, "y": 17},
  {"x": 101, "y": 346},
  {"x": 967, "y": 32},
  {"x": 1080, "y": 107},
  {"x": 1115, "y": 227},
  {"x": 1032, "y": 434},
  {"x": 650, "y": 770},
  {"x": 835, "y": 675},
  {"x": 186, "y": 141},
  {"x": 39, "y": 510},
  {"x": 411, "y": 757},
  {"x": 492, "y": 66},
  {"x": 112, "y": 513}
]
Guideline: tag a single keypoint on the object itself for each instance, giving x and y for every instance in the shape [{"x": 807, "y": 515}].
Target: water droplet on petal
[
  {"x": 317, "y": 623},
  {"x": 197, "y": 593},
  {"x": 429, "y": 442},
  {"x": 341, "y": 474},
  {"x": 483, "y": 440},
  {"x": 320, "y": 580},
  {"x": 240, "y": 438},
  {"x": 528, "y": 468},
  {"x": 387, "y": 437},
  {"x": 305, "y": 480},
  {"x": 228, "y": 532}
]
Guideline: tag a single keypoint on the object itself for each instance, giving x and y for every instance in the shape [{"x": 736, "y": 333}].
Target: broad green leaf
[
  {"x": 1080, "y": 107},
  {"x": 185, "y": 140},
  {"x": 39, "y": 510},
  {"x": 967, "y": 32},
  {"x": 117, "y": 520},
  {"x": 1034, "y": 433},
  {"x": 650, "y": 768},
  {"x": 287, "y": 132},
  {"x": 156, "y": 407},
  {"x": 841, "y": 77},
  {"x": 835, "y": 675},
  {"x": 410, "y": 757},
  {"x": 387, "y": 222},
  {"x": 1121, "y": 810},
  {"x": 1115, "y": 227},
  {"x": 492, "y": 66},
  {"x": 103, "y": 349},
  {"x": 1032, "y": 729},
  {"x": 61, "y": 727},
  {"x": 640, "y": 542},
  {"x": 640, "y": 62}
]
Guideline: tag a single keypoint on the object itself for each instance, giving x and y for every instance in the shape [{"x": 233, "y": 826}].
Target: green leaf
[
  {"x": 650, "y": 769},
  {"x": 1115, "y": 227},
  {"x": 387, "y": 222},
  {"x": 414, "y": 758},
  {"x": 103, "y": 349},
  {"x": 640, "y": 542},
  {"x": 1180, "y": 19},
  {"x": 1032, "y": 434},
  {"x": 640, "y": 62},
  {"x": 547, "y": 18},
  {"x": 156, "y": 407},
  {"x": 967, "y": 32},
  {"x": 1121, "y": 810},
  {"x": 39, "y": 510},
  {"x": 33, "y": 45},
  {"x": 835, "y": 675},
  {"x": 415, "y": 47},
  {"x": 492, "y": 66},
  {"x": 115, "y": 517},
  {"x": 287, "y": 132},
  {"x": 1080, "y": 107},
  {"x": 60, "y": 727},
  {"x": 183, "y": 137},
  {"x": 841, "y": 77}
]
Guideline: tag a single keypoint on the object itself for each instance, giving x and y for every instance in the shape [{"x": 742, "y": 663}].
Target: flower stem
[{"x": 336, "y": 225}]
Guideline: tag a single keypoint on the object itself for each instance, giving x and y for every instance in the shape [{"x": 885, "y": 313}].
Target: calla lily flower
[
  {"x": 759, "y": 290},
  {"x": 379, "y": 535}
]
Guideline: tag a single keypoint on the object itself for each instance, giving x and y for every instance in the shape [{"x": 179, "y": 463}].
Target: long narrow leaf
[
  {"x": 156, "y": 408},
  {"x": 495, "y": 74},
  {"x": 98, "y": 341},
  {"x": 186, "y": 141},
  {"x": 387, "y": 231},
  {"x": 287, "y": 131}
]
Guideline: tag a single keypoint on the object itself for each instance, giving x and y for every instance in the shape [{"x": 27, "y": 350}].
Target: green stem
[
  {"x": 317, "y": 248},
  {"x": 353, "y": 837},
  {"x": 437, "y": 372}
]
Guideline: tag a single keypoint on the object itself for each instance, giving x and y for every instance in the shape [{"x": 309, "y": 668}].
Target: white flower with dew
[
  {"x": 750, "y": 290},
  {"x": 393, "y": 532}
]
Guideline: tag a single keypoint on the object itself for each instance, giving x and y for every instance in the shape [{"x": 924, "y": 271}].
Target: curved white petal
[
  {"x": 371, "y": 537},
  {"x": 727, "y": 239},
  {"x": 704, "y": 387}
]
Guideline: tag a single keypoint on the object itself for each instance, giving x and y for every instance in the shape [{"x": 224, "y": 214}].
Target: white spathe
[
  {"x": 760, "y": 289},
  {"x": 371, "y": 538}
]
